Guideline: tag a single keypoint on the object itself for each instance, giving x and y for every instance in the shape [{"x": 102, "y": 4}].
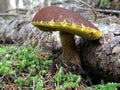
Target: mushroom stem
[{"x": 69, "y": 51}]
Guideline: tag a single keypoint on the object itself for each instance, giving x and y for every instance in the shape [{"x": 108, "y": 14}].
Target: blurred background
[{"x": 8, "y": 5}]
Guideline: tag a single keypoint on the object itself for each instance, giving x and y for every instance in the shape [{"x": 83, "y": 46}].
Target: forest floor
[{"x": 29, "y": 62}]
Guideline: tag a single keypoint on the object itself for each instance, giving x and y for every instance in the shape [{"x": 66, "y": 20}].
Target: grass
[{"x": 22, "y": 69}]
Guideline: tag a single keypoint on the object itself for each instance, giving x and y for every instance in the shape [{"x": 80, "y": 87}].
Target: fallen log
[{"x": 101, "y": 58}]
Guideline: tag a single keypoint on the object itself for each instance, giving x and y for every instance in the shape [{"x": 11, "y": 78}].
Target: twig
[
  {"x": 8, "y": 14},
  {"x": 101, "y": 10},
  {"x": 93, "y": 9},
  {"x": 19, "y": 9},
  {"x": 108, "y": 10},
  {"x": 2, "y": 77},
  {"x": 33, "y": 84}
]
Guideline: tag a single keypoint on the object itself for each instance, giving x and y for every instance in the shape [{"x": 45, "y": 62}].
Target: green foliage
[
  {"x": 23, "y": 65},
  {"x": 59, "y": 76},
  {"x": 66, "y": 81},
  {"x": 5, "y": 68},
  {"x": 4, "y": 49},
  {"x": 104, "y": 3},
  {"x": 5, "y": 65},
  {"x": 20, "y": 80},
  {"x": 108, "y": 86},
  {"x": 39, "y": 85}
]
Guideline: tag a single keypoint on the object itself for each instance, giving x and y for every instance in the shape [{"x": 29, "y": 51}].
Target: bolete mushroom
[{"x": 69, "y": 23}]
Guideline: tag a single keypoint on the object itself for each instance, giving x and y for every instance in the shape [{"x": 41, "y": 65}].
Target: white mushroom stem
[{"x": 69, "y": 51}]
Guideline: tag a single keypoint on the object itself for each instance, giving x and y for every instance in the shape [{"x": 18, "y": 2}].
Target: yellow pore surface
[{"x": 83, "y": 31}]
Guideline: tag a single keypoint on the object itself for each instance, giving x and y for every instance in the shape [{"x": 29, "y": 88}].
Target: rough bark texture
[{"x": 102, "y": 58}]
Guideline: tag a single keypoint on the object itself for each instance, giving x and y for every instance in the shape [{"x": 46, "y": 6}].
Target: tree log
[{"x": 101, "y": 58}]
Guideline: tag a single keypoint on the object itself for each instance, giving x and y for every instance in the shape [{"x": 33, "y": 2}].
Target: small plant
[
  {"x": 104, "y": 3},
  {"x": 5, "y": 68},
  {"x": 66, "y": 81},
  {"x": 108, "y": 86},
  {"x": 39, "y": 85},
  {"x": 23, "y": 65}
]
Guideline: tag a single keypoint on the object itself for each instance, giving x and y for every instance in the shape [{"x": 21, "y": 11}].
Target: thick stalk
[{"x": 69, "y": 51}]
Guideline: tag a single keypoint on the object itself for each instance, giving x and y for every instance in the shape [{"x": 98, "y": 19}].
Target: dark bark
[{"x": 101, "y": 58}]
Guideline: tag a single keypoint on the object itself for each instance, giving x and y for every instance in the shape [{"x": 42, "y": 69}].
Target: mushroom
[{"x": 69, "y": 23}]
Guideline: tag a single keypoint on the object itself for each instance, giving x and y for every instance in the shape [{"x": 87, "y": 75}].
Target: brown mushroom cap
[{"x": 59, "y": 19}]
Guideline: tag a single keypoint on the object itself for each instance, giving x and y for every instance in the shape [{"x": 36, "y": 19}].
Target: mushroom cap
[{"x": 53, "y": 18}]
